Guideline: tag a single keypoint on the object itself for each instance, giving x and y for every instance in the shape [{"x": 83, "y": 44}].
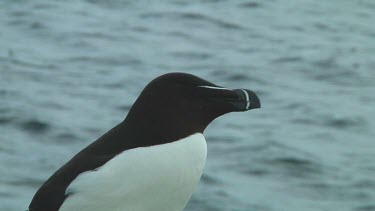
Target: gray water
[{"x": 70, "y": 70}]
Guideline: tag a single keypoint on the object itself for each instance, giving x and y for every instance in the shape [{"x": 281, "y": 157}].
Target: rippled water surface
[{"x": 70, "y": 70}]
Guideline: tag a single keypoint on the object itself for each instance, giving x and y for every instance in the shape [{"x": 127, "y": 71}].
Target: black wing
[{"x": 51, "y": 194}]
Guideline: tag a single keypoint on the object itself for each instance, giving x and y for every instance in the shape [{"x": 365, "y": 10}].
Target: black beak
[
  {"x": 240, "y": 99},
  {"x": 247, "y": 100}
]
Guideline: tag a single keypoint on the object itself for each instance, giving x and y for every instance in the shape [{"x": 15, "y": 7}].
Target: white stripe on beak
[{"x": 247, "y": 99}]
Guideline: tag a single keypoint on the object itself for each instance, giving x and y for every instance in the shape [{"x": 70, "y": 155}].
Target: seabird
[{"x": 152, "y": 160}]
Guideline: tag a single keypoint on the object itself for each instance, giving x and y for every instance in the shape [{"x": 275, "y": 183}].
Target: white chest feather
[{"x": 158, "y": 178}]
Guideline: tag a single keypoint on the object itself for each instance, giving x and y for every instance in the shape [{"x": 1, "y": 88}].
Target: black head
[{"x": 176, "y": 105}]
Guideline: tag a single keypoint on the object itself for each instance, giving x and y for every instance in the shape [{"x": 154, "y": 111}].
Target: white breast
[{"x": 158, "y": 178}]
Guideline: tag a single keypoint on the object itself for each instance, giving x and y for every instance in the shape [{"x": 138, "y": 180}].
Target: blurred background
[{"x": 70, "y": 70}]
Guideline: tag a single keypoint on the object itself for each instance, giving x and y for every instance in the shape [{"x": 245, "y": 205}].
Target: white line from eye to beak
[
  {"x": 247, "y": 99},
  {"x": 214, "y": 87}
]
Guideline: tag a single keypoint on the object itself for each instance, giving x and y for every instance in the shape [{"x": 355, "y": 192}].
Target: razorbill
[{"x": 153, "y": 159}]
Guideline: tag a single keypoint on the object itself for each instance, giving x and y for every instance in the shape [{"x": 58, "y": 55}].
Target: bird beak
[
  {"x": 246, "y": 100},
  {"x": 240, "y": 99}
]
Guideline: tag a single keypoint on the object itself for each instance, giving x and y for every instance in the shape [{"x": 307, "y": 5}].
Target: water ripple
[
  {"x": 35, "y": 126},
  {"x": 197, "y": 17}
]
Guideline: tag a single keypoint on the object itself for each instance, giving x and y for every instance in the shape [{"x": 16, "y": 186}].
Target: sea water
[{"x": 70, "y": 70}]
